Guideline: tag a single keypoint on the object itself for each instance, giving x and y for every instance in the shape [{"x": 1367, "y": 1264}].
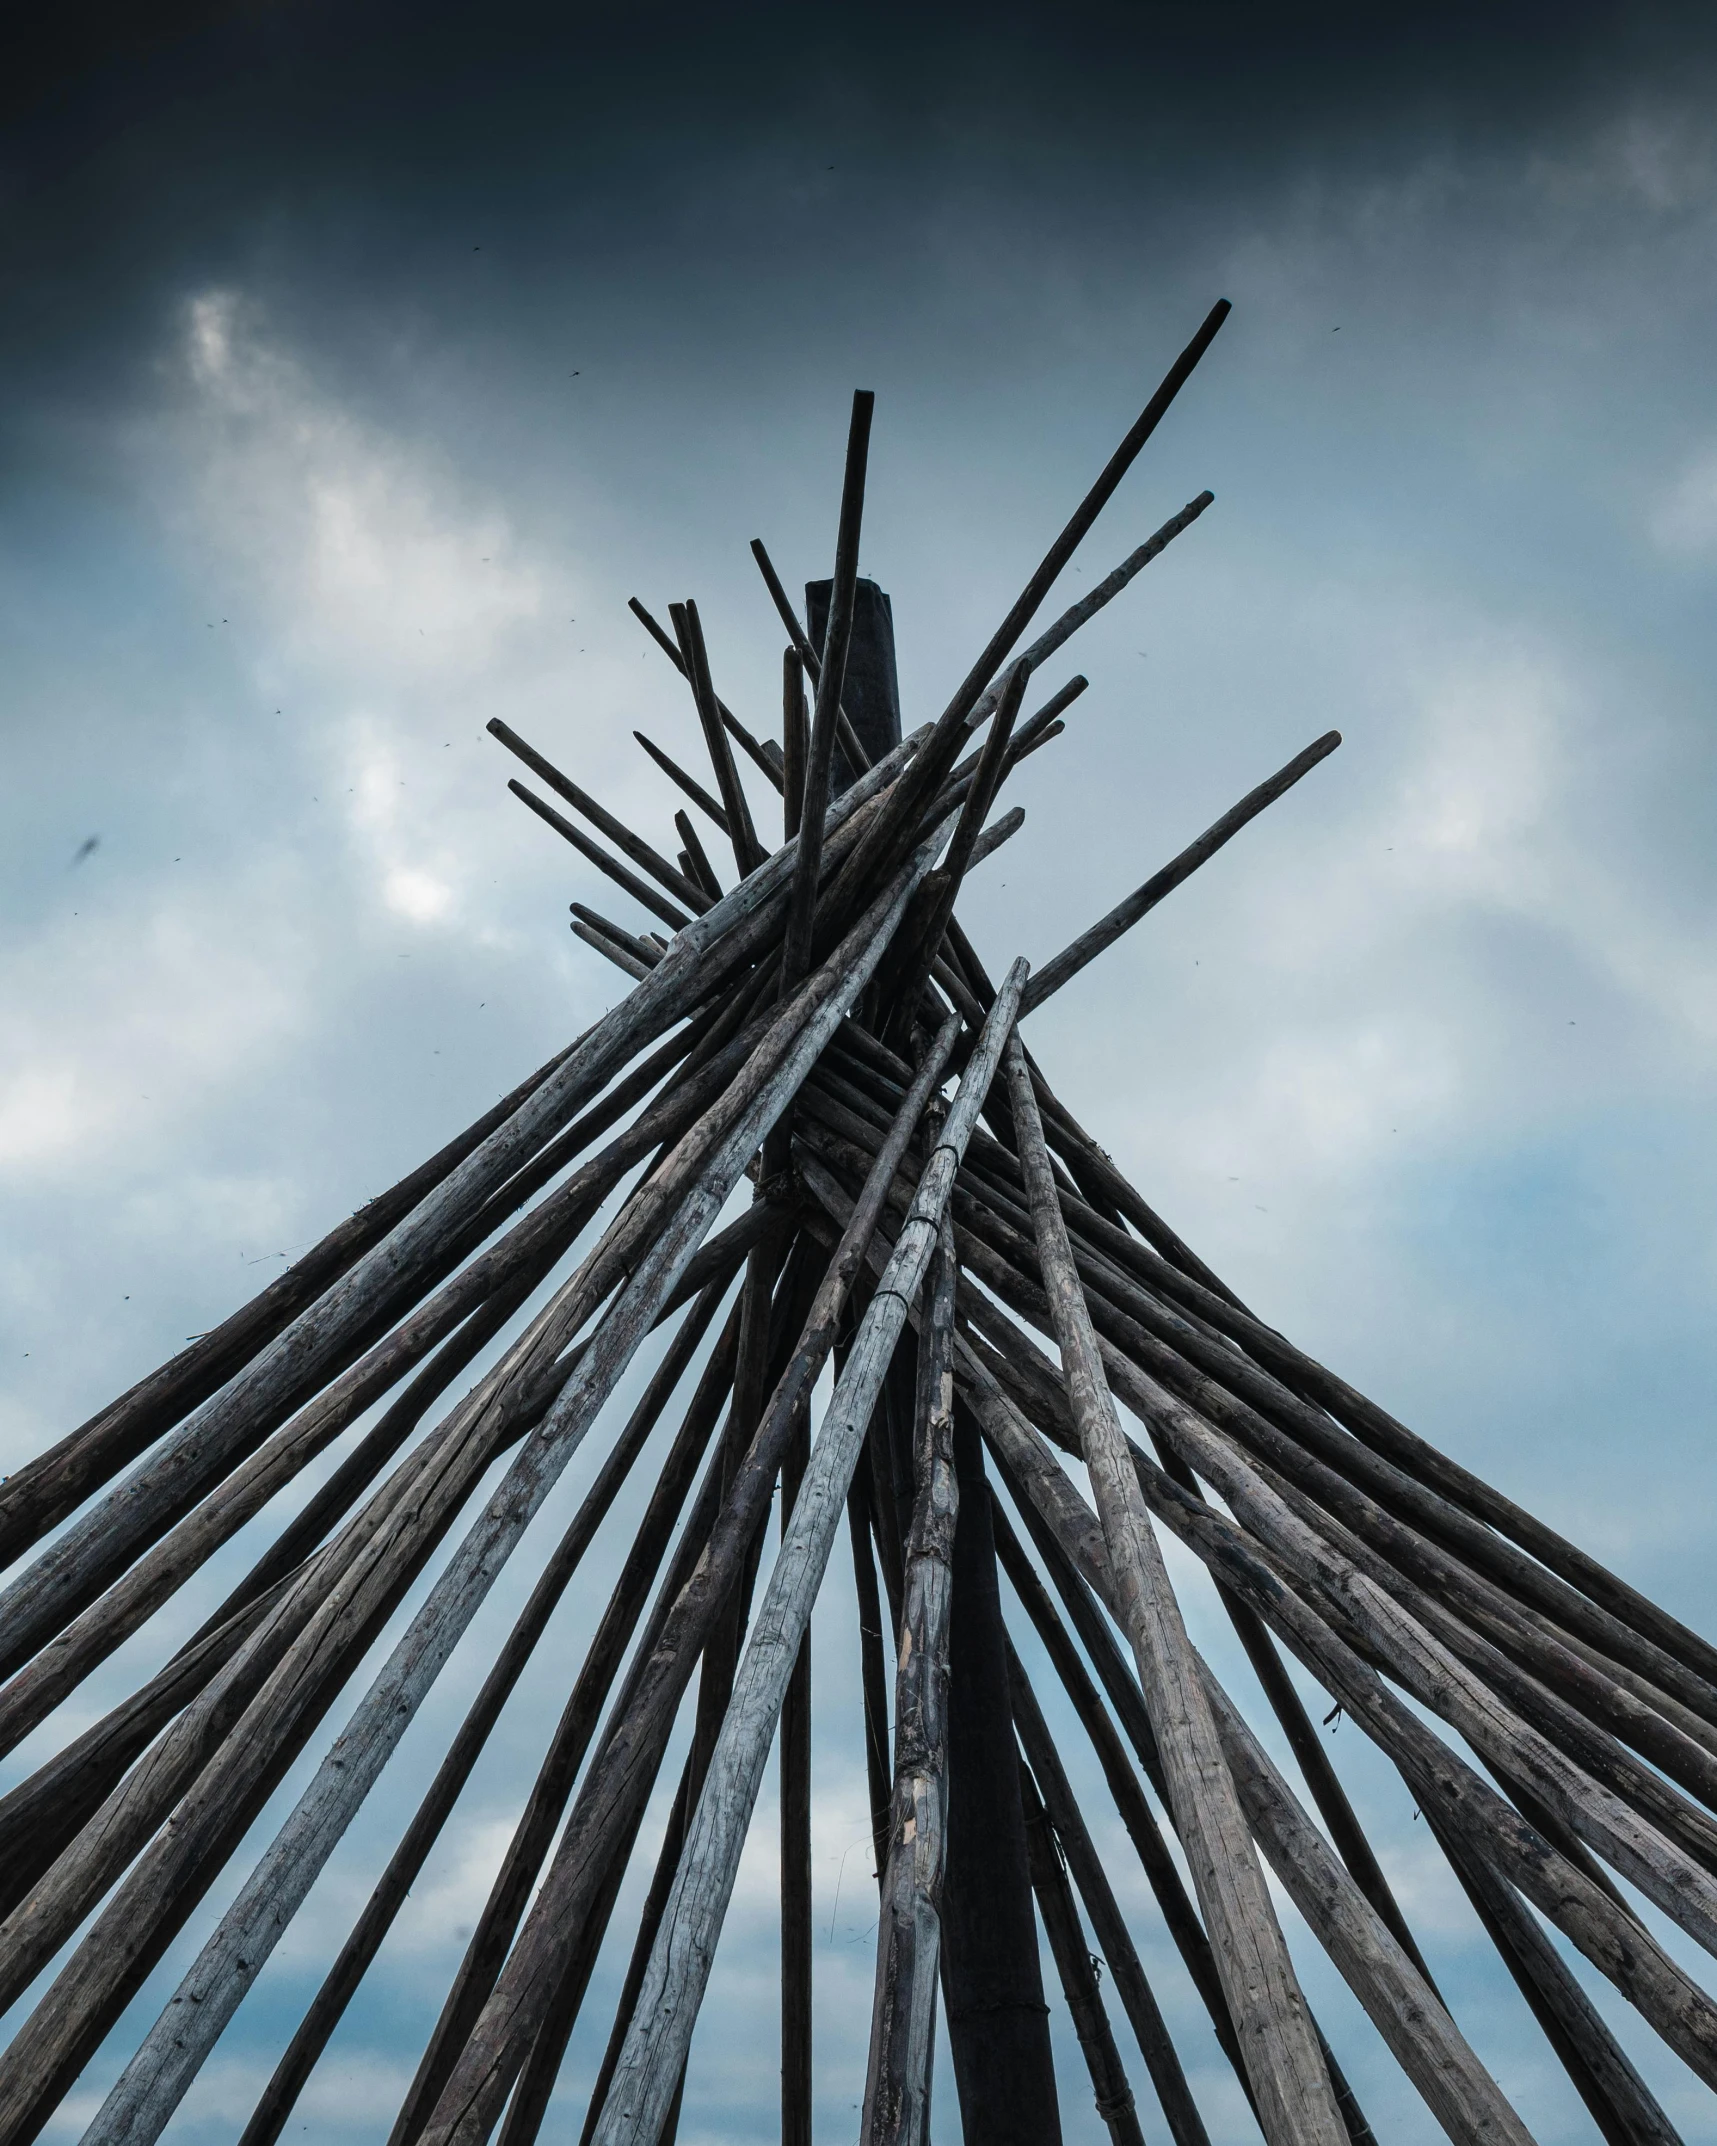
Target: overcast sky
[{"x": 357, "y": 365}]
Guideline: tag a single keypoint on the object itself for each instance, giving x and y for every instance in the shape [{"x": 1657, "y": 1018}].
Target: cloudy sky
[{"x": 359, "y": 363}]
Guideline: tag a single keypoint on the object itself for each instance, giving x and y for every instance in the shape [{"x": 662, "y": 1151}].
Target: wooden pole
[
  {"x": 1125, "y": 915},
  {"x": 1108, "y": 1925},
  {"x": 1282, "y": 2062},
  {"x": 642, "y": 854},
  {"x": 998, "y": 2021},
  {"x": 873, "y": 1672},
  {"x": 796, "y": 737},
  {"x": 677, "y": 775},
  {"x": 902, "y": 2040},
  {"x": 748, "y": 852},
  {"x": 809, "y": 661},
  {"x": 764, "y": 753},
  {"x": 699, "y": 856},
  {"x": 1114, "y": 2097},
  {"x": 797, "y": 2078},
  {"x": 641, "y": 892}
]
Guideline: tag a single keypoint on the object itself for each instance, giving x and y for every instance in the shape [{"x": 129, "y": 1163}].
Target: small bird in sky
[{"x": 86, "y": 848}]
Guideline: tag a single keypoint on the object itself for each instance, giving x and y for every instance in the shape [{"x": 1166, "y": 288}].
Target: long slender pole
[
  {"x": 1288, "y": 2077},
  {"x": 897, "y": 2083}
]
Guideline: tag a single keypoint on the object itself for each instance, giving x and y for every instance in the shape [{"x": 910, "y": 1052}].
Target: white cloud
[{"x": 1683, "y": 521}]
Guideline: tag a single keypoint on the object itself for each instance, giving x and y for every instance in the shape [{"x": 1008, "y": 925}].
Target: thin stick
[
  {"x": 765, "y": 754},
  {"x": 702, "y": 868},
  {"x": 1125, "y": 915},
  {"x": 846, "y": 737},
  {"x": 645, "y": 952},
  {"x": 688, "y": 783},
  {"x": 629, "y": 844},
  {"x": 748, "y": 852},
  {"x": 1076, "y": 615}
]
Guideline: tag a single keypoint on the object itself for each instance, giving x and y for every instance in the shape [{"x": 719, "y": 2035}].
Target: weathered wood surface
[
  {"x": 269, "y": 2117},
  {"x": 41, "y": 1492},
  {"x": 661, "y": 2031},
  {"x": 903, "y": 2015},
  {"x": 1289, "y": 2083},
  {"x": 608, "y": 1797},
  {"x": 1611, "y": 1939}
]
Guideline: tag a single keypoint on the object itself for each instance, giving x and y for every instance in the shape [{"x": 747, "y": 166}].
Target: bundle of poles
[{"x": 818, "y": 1051}]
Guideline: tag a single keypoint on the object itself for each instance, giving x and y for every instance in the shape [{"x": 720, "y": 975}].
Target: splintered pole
[
  {"x": 1288, "y": 2077},
  {"x": 903, "y": 2016}
]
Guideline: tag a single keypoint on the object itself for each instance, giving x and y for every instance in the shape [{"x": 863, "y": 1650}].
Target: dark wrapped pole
[
  {"x": 1073, "y": 1963},
  {"x": 998, "y": 2023},
  {"x": 870, "y": 692}
]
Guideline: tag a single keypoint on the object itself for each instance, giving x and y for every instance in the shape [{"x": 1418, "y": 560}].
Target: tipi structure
[{"x": 994, "y": 1301}]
